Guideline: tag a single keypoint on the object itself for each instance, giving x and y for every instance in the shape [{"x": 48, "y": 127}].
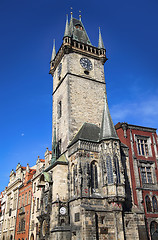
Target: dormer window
[{"x": 78, "y": 27}]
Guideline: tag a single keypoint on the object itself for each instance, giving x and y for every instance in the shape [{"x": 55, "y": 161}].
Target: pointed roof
[
  {"x": 87, "y": 132},
  {"x": 100, "y": 42},
  {"x": 107, "y": 128},
  {"x": 77, "y": 31},
  {"x": 53, "y": 52},
  {"x": 67, "y": 32}
]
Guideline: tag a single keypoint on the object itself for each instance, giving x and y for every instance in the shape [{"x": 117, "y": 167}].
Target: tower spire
[
  {"x": 54, "y": 147},
  {"x": 107, "y": 127},
  {"x": 53, "y": 52},
  {"x": 67, "y": 32},
  {"x": 100, "y": 42}
]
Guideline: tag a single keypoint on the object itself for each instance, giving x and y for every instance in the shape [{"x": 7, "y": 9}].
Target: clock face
[
  {"x": 59, "y": 69},
  {"x": 62, "y": 210},
  {"x": 86, "y": 63}
]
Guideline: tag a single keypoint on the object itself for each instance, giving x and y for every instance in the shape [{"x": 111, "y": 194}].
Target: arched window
[
  {"x": 117, "y": 169},
  {"x": 154, "y": 202},
  {"x": 154, "y": 230},
  {"x": 74, "y": 173},
  {"x": 94, "y": 175},
  {"x": 148, "y": 204},
  {"x": 109, "y": 170}
]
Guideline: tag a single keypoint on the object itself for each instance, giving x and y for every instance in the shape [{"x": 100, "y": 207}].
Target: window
[
  {"x": 8, "y": 203},
  {"x": 58, "y": 148},
  {"x": 73, "y": 179},
  {"x": 15, "y": 200},
  {"x": 21, "y": 224},
  {"x": 117, "y": 169},
  {"x": 34, "y": 187},
  {"x": 79, "y": 27},
  {"x": 22, "y": 204},
  {"x": 146, "y": 174},
  {"x": 37, "y": 204},
  {"x": 109, "y": 170},
  {"x": 59, "y": 110},
  {"x": 19, "y": 201},
  {"x": 143, "y": 146},
  {"x": 77, "y": 217},
  {"x": 29, "y": 197},
  {"x": 148, "y": 204},
  {"x": 26, "y": 198},
  {"x": 33, "y": 206},
  {"x": 94, "y": 175},
  {"x": 32, "y": 225},
  {"x": 154, "y": 202}
]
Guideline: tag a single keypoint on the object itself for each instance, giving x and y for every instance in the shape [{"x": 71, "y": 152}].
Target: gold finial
[
  {"x": 80, "y": 15},
  {"x": 71, "y": 11}
]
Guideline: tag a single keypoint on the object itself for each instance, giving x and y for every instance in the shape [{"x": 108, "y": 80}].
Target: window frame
[{"x": 143, "y": 144}]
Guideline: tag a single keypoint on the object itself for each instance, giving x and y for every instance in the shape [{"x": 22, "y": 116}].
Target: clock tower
[
  {"x": 78, "y": 82},
  {"x": 89, "y": 167}
]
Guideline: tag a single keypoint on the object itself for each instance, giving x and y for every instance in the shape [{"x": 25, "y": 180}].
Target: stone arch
[
  {"x": 32, "y": 237},
  {"x": 154, "y": 230}
]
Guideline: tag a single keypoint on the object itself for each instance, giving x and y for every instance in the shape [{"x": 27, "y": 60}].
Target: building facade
[
  {"x": 143, "y": 158},
  {"x": 36, "y": 198},
  {"x": 12, "y": 192},
  {"x": 2, "y": 211},
  {"x": 24, "y": 206}
]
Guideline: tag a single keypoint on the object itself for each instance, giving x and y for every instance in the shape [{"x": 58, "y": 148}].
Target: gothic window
[
  {"x": 148, "y": 204},
  {"x": 109, "y": 170},
  {"x": 59, "y": 109},
  {"x": 74, "y": 173},
  {"x": 117, "y": 169},
  {"x": 94, "y": 175},
  {"x": 146, "y": 174},
  {"x": 154, "y": 202}
]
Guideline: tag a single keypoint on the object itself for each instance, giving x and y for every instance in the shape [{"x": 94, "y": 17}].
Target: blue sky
[{"x": 27, "y": 29}]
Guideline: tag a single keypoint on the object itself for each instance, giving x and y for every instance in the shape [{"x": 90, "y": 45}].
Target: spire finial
[
  {"x": 67, "y": 32},
  {"x": 100, "y": 42},
  {"x": 80, "y": 15},
  {"x": 53, "y": 52},
  {"x": 71, "y": 11}
]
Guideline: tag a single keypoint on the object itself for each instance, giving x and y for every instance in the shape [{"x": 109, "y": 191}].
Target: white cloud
[{"x": 144, "y": 111}]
